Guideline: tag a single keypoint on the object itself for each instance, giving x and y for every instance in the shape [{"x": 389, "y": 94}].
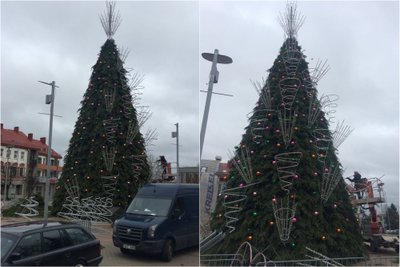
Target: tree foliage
[
  {"x": 392, "y": 217},
  {"x": 278, "y": 126},
  {"x": 106, "y": 140}
]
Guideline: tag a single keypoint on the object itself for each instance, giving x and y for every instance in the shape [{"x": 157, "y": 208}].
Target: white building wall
[{"x": 17, "y": 156}]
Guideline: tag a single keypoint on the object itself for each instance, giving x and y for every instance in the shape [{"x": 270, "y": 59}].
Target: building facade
[
  {"x": 213, "y": 177},
  {"x": 24, "y": 165},
  {"x": 189, "y": 175}
]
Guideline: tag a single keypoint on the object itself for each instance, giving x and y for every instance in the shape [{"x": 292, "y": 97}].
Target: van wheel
[
  {"x": 80, "y": 264},
  {"x": 168, "y": 250}
]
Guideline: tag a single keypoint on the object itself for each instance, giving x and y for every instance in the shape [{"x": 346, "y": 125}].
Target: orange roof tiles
[{"x": 17, "y": 138}]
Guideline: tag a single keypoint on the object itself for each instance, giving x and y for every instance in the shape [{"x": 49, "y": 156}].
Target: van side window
[
  {"x": 29, "y": 245},
  {"x": 77, "y": 235},
  {"x": 51, "y": 240}
]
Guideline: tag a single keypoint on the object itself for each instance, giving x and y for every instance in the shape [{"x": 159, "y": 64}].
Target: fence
[
  {"x": 236, "y": 260},
  {"x": 85, "y": 223}
]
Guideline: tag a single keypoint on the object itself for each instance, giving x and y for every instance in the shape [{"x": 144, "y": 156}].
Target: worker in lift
[{"x": 358, "y": 184}]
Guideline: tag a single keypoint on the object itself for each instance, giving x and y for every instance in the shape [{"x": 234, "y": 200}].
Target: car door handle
[
  {"x": 37, "y": 263},
  {"x": 68, "y": 255}
]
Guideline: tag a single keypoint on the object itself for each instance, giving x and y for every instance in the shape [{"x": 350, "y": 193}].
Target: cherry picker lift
[{"x": 365, "y": 194}]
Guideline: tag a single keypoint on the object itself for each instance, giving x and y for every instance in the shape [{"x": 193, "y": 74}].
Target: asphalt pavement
[{"x": 112, "y": 256}]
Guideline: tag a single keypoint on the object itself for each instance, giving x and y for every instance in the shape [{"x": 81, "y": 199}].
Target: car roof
[{"x": 23, "y": 227}]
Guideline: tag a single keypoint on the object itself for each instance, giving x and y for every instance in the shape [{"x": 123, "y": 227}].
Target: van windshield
[{"x": 150, "y": 206}]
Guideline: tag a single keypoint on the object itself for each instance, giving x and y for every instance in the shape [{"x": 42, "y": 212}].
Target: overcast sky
[{"x": 60, "y": 41}]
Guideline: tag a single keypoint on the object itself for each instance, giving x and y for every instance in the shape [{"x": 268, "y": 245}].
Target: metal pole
[
  {"x": 208, "y": 100},
  {"x": 177, "y": 153},
  {"x": 7, "y": 173},
  {"x": 47, "y": 185}
]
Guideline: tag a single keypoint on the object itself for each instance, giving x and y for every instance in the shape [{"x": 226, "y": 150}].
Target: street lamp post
[
  {"x": 214, "y": 73},
  {"x": 49, "y": 100},
  {"x": 176, "y": 135},
  {"x": 8, "y": 154}
]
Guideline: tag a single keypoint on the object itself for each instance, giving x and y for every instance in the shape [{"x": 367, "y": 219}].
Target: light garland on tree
[
  {"x": 284, "y": 212},
  {"x": 287, "y": 119},
  {"x": 110, "y": 127},
  {"x": 329, "y": 181},
  {"x": 286, "y": 165},
  {"x": 109, "y": 97},
  {"x": 232, "y": 199},
  {"x": 242, "y": 162},
  {"x": 109, "y": 157}
]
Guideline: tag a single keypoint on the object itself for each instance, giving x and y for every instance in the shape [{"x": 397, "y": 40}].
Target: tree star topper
[
  {"x": 291, "y": 21},
  {"x": 110, "y": 20}
]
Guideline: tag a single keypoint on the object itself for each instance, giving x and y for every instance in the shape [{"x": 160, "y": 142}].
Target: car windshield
[
  {"x": 7, "y": 242},
  {"x": 150, "y": 206}
]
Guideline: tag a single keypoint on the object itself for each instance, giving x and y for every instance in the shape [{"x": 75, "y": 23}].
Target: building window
[
  {"x": 13, "y": 172},
  {"x": 18, "y": 189},
  {"x": 22, "y": 155},
  {"x": 15, "y": 154},
  {"x": 2, "y": 152},
  {"x": 41, "y": 173},
  {"x": 21, "y": 171}
]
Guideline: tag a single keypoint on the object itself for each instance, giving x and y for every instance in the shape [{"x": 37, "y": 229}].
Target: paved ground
[
  {"x": 113, "y": 257},
  {"x": 188, "y": 257}
]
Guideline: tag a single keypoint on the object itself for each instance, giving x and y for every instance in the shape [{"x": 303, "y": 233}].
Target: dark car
[
  {"x": 48, "y": 244},
  {"x": 161, "y": 219}
]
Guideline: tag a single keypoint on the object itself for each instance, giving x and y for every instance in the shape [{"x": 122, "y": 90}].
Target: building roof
[{"x": 16, "y": 138}]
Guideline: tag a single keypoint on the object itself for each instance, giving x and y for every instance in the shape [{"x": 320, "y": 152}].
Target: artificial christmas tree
[
  {"x": 285, "y": 194},
  {"x": 106, "y": 160}
]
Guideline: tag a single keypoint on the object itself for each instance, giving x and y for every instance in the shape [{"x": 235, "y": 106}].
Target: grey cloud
[{"x": 60, "y": 41}]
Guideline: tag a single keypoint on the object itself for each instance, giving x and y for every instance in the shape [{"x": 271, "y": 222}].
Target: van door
[
  {"x": 192, "y": 213},
  {"x": 179, "y": 224}
]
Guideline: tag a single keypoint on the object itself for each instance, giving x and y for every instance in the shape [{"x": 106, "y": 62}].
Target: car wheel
[
  {"x": 168, "y": 250},
  {"x": 80, "y": 264}
]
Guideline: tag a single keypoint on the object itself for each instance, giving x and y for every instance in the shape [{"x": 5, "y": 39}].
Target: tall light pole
[
  {"x": 176, "y": 135},
  {"x": 49, "y": 100},
  {"x": 214, "y": 73},
  {"x": 8, "y": 154}
]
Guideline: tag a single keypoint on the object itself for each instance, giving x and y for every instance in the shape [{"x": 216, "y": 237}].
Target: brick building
[{"x": 24, "y": 164}]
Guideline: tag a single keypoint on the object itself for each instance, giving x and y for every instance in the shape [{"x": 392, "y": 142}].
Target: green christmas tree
[
  {"x": 106, "y": 157},
  {"x": 285, "y": 190}
]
